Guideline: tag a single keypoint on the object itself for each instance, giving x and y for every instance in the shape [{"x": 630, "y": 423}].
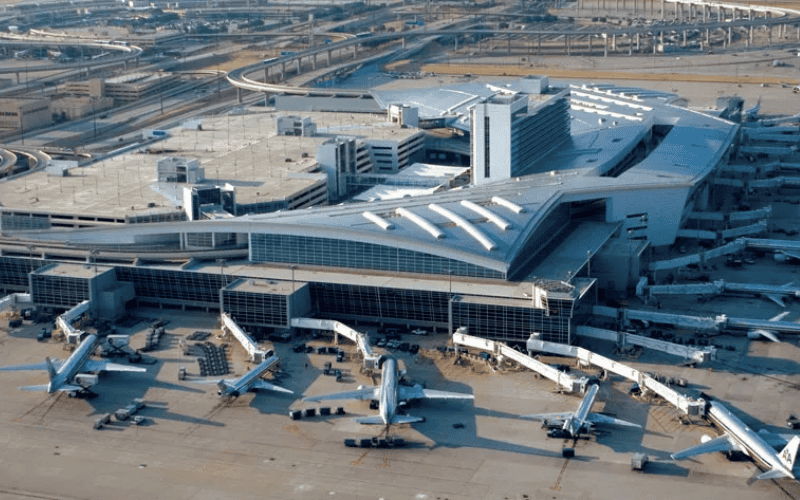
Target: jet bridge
[
  {"x": 623, "y": 339},
  {"x": 64, "y": 322},
  {"x": 361, "y": 339},
  {"x": 565, "y": 382},
  {"x": 718, "y": 287},
  {"x": 715, "y": 324},
  {"x": 20, "y": 300},
  {"x": 257, "y": 355},
  {"x": 645, "y": 381}
]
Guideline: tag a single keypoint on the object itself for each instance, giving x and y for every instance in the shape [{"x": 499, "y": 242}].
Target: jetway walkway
[
  {"x": 715, "y": 324},
  {"x": 623, "y": 339},
  {"x": 64, "y": 322},
  {"x": 776, "y": 293},
  {"x": 361, "y": 340},
  {"x": 565, "y": 382},
  {"x": 19, "y": 300},
  {"x": 646, "y": 383},
  {"x": 735, "y": 246},
  {"x": 256, "y": 354}
]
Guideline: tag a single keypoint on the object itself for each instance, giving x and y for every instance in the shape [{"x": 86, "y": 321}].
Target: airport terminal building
[{"x": 528, "y": 250}]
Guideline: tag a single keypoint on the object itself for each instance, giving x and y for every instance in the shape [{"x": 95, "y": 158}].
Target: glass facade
[
  {"x": 175, "y": 287},
  {"x": 509, "y": 323},
  {"x": 379, "y": 303},
  {"x": 330, "y": 252},
  {"x": 262, "y": 309},
  {"x": 14, "y": 273},
  {"x": 59, "y": 291}
]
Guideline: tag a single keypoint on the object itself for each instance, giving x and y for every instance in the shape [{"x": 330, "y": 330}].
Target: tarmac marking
[
  {"x": 52, "y": 401},
  {"x": 557, "y": 485},
  {"x": 360, "y": 460}
]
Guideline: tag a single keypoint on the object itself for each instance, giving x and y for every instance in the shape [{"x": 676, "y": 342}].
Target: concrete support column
[
  {"x": 662, "y": 9},
  {"x": 720, "y": 12},
  {"x": 684, "y": 39},
  {"x": 238, "y": 95},
  {"x": 314, "y": 62},
  {"x": 730, "y": 35},
  {"x": 749, "y": 36},
  {"x": 638, "y": 43},
  {"x": 329, "y": 57},
  {"x": 182, "y": 237},
  {"x": 614, "y": 43},
  {"x": 654, "y": 47},
  {"x": 661, "y": 37},
  {"x": 590, "y": 45},
  {"x": 566, "y": 45},
  {"x": 403, "y": 43},
  {"x": 455, "y": 44},
  {"x": 708, "y": 38},
  {"x": 283, "y": 70},
  {"x": 355, "y": 51},
  {"x": 705, "y": 12},
  {"x": 630, "y": 44},
  {"x": 605, "y": 46},
  {"x": 266, "y": 74},
  {"x": 769, "y": 35}
]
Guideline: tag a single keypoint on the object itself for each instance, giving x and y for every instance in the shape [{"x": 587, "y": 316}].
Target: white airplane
[
  {"x": 573, "y": 424},
  {"x": 389, "y": 395},
  {"x": 738, "y": 437},
  {"x": 751, "y": 115},
  {"x": 64, "y": 375},
  {"x": 768, "y": 334},
  {"x": 250, "y": 381}
]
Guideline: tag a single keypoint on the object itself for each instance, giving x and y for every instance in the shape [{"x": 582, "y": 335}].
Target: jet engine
[{"x": 86, "y": 379}]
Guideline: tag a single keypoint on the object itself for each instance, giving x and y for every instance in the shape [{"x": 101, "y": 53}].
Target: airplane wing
[
  {"x": 599, "y": 418},
  {"x": 35, "y": 366},
  {"x": 791, "y": 253},
  {"x": 773, "y": 474},
  {"x": 780, "y": 316},
  {"x": 768, "y": 334},
  {"x": 549, "y": 416},
  {"x": 722, "y": 443},
  {"x": 417, "y": 392},
  {"x": 778, "y": 299},
  {"x": 91, "y": 365},
  {"x": 266, "y": 386},
  {"x": 365, "y": 393}
]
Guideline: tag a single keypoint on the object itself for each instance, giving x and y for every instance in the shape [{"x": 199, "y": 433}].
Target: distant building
[{"x": 25, "y": 114}]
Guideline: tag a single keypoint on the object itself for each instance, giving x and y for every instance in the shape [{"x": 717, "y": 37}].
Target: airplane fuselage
[
  {"x": 749, "y": 441},
  {"x": 243, "y": 384},
  {"x": 575, "y": 424},
  {"x": 387, "y": 404},
  {"x": 73, "y": 364}
]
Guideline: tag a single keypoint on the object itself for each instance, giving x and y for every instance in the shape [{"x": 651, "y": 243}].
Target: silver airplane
[
  {"x": 573, "y": 424},
  {"x": 738, "y": 437},
  {"x": 389, "y": 395},
  {"x": 250, "y": 381},
  {"x": 772, "y": 335},
  {"x": 64, "y": 375}
]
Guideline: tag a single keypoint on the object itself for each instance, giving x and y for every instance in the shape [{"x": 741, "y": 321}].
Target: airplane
[
  {"x": 751, "y": 114},
  {"x": 768, "y": 334},
  {"x": 64, "y": 375},
  {"x": 250, "y": 381},
  {"x": 738, "y": 437},
  {"x": 573, "y": 424},
  {"x": 389, "y": 395}
]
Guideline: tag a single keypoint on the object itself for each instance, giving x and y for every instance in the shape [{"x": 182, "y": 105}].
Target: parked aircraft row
[{"x": 72, "y": 375}]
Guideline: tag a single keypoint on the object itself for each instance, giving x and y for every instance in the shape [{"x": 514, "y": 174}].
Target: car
[
  {"x": 393, "y": 344},
  {"x": 419, "y": 331},
  {"x": 381, "y": 343},
  {"x": 404, "y": 346},
  {"x": 413, "y": 349}
]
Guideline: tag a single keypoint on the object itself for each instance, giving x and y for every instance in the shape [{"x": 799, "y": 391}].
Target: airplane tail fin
[
  {"x": 51, "y": 369},
  {"x": 789, "y": 454},
  {"x": 396, "y": 419}
]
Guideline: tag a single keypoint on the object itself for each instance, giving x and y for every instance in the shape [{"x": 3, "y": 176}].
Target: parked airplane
[
  {"x": 573, "y": 424},
  {"x": 250, "y": 381},
  {"x": 738, "y": 437},
  {"x": 768, "y": 334},
  {"x": 389, "y": 395},
  {"x": 64, "y": 375}
]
